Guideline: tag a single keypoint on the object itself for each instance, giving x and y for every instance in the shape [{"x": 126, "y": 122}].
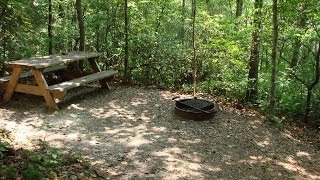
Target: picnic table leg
[
  {"x": 12, "y": 84},
  {"x": 76, "y": 69},
  {"x": 96, "y": 68},
  {"x": 43, "y": 88}
]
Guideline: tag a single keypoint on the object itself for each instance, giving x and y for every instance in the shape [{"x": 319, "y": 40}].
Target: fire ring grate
[{"x": 196, "y": 109}]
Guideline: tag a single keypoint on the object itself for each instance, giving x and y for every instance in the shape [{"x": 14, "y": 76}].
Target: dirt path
[{"x": 134, "y": 134}]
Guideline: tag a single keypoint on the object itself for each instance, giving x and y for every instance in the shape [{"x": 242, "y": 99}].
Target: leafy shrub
[
  {"x": 32, "y": 172},
  {"x": 42, "y": 163},
  {"x": 8, "y": 172}
]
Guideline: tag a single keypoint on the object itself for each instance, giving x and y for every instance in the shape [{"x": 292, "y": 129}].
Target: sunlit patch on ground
[{"x": 133, "y": 133}]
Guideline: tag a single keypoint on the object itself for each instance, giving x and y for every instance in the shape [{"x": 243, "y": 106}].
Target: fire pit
[{"x": 196, "y": 109}]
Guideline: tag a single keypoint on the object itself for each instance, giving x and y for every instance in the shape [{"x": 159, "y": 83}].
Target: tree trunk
[
  {"x": 194, "y": 58},
  {"x": 239, "y": 8},
  {"x": 183, "y": 13},
  {"x": 4, "y": 49},
  {"x": 254, "y": 57},
  {"x": 81, "y": 24},
  {"x": 97, "y": 30},
  {"x": 81, "y": 29},
  {"x": 126, "y": 48},
  {"x": 158, "y": 21},
  {"x": 50, "y": 26},
  {"x": 313, "y": 84},
  {"x": 2, "y": 16},
  {"x": 3, "y": 34},
  {"x": 308, "y": 107},
  {"x": 274, "y": 55}
]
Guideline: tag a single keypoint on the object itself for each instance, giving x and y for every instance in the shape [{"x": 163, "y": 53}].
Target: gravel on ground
[{"x": 133, "y": 133}]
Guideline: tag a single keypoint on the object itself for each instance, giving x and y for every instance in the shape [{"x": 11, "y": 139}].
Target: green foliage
[
  {"x": 31, "y": 172},
  {"x": 160, "y": 51},
  {"x": 276, "y": 120},
  {"x": 8, "y": 171},
  {"x": 39, "y": 164},
  {"x": 4, "y": 142},
  {"x": 3, "y": 148}
]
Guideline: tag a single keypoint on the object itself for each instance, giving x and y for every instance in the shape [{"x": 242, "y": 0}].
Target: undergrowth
[{"x": 44, "y": 162}]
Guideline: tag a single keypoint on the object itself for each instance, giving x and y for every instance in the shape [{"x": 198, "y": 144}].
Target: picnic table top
[{"x": 52, "y": 60}]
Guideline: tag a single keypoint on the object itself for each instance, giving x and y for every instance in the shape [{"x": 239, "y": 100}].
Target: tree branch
[
  {"x": 310, "y": 50},
  {"x": 280, "y": 52},
  {"x": 315, "y": 28},
  {"x": 300, "y": 80},
  {"x": 292, "y": 72}
]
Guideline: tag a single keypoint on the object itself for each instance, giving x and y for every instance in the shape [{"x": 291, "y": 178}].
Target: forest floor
[{"x": 133, "y": 133}]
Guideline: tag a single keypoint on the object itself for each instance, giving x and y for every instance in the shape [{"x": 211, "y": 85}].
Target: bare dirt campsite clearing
[{"x": 132, "y": 133}]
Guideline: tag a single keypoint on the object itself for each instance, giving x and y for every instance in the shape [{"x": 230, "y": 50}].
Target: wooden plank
[
  {"x": 95, "y": 67},
  {"x": 43, "y": 86},
  {"x": 12, "y": 84},
  {"x": 22, "y": 75},
  {"x": 53, "y": 60},
  {"x": 29, "y": 74},
  {"x": 4, "y": 85},
  {"x": 81, "y": 81},
  {"x": 28, "y": 89},
  {"x": 55, "y": 68},
  {"x": 35, "y": 90},
  {"x": 58, "y": 94}
]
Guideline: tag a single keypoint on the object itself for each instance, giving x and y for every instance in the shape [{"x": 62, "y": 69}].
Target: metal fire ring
[{"x": 195, "y": 109}]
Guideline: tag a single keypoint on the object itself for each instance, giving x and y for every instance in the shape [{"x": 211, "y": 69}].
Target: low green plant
[
  {"x": 276, "y": 120},
  {"x": 32, "y": 172},
  {"x": 8, "y": 172},
  {"x": 42, "y": 163},
  {"x": 3, "y": 148},
  {"x": 4, "y": 139}
]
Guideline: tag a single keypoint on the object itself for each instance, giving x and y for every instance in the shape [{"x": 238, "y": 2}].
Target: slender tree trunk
[
  {"x": 126, "y": 48},
  {"x": 107, "y": 28},
  {"x": 297, "y": 43},
  {"x": 313, "y": 84},
  {"x": 3, "y": 34},
  {"x": 50, "y": 36},
  {"x": 81, "y": 29},
  {"x": 308, "y": 102},
  {"x": 4, "y": 48},
  {"x": 81, "y": 24},
  {"x": 183, "y": 21},
  {"x": 254, "y": 57},
  {"x": 194, "y": 58},
  {"x": 97, "y": 29},
  {"x": 239, "y": 8},
  {"x": 2, "y": 16},
  {"x": 158, "y": 21},
  {"x": 274, "y": 55}
]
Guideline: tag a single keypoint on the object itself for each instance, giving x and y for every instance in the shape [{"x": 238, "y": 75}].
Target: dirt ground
[{"x": 133, "y": 133}]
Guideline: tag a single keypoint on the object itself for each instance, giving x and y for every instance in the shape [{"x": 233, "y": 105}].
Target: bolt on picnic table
[{"x": 37, "y": 66}]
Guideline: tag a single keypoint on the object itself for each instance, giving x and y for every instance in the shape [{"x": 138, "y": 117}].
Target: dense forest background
[{"x": 244, "y": 48}]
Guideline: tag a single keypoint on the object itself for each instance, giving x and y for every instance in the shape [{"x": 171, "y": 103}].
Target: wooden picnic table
[{"x": 37, "y": 66}]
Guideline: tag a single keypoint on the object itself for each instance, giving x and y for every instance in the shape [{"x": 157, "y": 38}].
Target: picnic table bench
[{"x": 38, "y": 66}]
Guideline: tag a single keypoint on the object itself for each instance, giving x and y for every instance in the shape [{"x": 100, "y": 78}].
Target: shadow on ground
[{"x": 133, "y": 133}]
